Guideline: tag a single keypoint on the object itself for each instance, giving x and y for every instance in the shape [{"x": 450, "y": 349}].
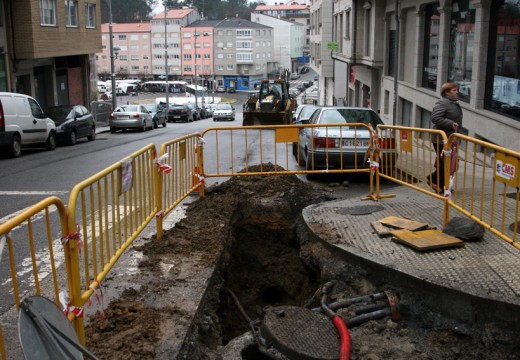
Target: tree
[{"x": 126, "y": 11}]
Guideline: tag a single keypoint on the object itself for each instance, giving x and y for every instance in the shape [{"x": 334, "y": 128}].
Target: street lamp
[
  {"x": 112, "y": 57},
  {"x": 166, "y": 59}
]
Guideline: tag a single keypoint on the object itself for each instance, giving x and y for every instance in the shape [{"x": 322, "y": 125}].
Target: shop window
[{"x": 431, "y": 46}]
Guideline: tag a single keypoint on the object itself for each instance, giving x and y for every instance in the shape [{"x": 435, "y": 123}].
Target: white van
[{"x": 23, "y": 122}]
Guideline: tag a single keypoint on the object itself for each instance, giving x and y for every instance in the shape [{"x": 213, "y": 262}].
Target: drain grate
[
  {"x": 300, "y": 333},
  {"x": 360, "y": 210}
]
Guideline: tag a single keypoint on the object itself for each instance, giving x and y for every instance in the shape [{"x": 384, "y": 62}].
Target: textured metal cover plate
[
  {"x": 300, "y": 333},
  {"x": 360, "y": 210}
]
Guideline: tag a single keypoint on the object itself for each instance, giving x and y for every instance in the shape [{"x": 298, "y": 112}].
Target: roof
[
  {"x": 203, "y": 23},
  {"x": 173, "y": 14},
  {"x": 127, "y": 27},
  {"x": 240, "y": 23},
  {"x": 282, "y": 7}
]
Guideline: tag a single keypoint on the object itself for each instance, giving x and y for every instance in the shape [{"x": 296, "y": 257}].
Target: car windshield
[
  {"x": 223, "y": 107},
  {"x": 349, "y": 116},
  {"x": 191, "y": 106},
  {"x": 176, "y": 107},
  {"x": 128, "y": 108},
  {"x": 150, "y": 107},
  {"x": 307, "y": 111},
  {"x": 60, "y": 112}
]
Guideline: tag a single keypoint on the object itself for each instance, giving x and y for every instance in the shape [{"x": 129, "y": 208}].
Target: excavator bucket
[{"x": 252, "y": 118}]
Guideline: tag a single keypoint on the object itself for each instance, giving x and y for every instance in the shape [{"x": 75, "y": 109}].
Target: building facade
[
  {"x": 288, "y": 45},
  {"x": 38, "y": 57},
  {"x": 243, "y": 53},
  {"x": 134, "y": 56},
  {"x": 197, "y": 53},
  {"x": 166, "y": 42}
]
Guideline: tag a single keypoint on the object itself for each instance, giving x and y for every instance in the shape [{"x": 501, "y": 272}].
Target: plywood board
[
  {"x": 402, "y": 223},
  {"x": 426, "y": 239},
  {"x": 380, "y": 229}
]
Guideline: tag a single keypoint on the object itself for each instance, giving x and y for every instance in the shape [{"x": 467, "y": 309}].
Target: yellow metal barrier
[
  {"x": 38, "y": 228},
  {"x": 486, "y": 186},
  {"x": 248, "y": 146},
  {"x": 183, "y": 158},
  {"x": 109, "y": 210},
  {"x": 415, "y": 158}
]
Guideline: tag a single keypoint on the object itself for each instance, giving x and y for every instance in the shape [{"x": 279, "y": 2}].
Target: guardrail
[{"x": 43, "y": 220}]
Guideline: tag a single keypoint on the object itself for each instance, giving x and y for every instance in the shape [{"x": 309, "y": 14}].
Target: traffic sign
[{"x": 332, "y": 45}]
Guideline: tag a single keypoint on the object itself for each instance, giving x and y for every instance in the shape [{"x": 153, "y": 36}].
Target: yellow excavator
[{"x": 272, "y": 104}]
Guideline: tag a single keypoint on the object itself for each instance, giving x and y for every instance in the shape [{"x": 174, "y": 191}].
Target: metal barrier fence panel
[
  {"x": 486, "y": 186},
  {"x": 38, "y": 230},
  {"x": 179, "y": 173},
  {"x": 109, "y": 210},
  {"x": 415, "y": 157},
  {"x": 331, "y": 148}
]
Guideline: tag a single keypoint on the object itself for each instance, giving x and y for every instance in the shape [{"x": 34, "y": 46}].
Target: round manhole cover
[
  {"x": 300, "y": 333},
  {"x": 360, "y": 210}
]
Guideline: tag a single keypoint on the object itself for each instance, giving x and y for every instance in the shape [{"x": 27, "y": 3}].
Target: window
[
  {"x": 462, "y": 33},
  {"x": 244, "y": 57},
  {"x": 123, "y": 57},
  {"x": 207, "y": 56},
  {"x": 135, "y": 67},
  {"x": 503, "y": 86},
  {"x": 367, "y": 28},
  {"x": 220, "y": 67},
  {"x": 230, "y": 67},
  {"x": 71, "y": 12},
  {"x": 244, "y": 45},
  {"x": 90, "y": 15},
  {"x": 48, "y": 12},
  {"x": 187, "y": 68},
  {"x": 220, "y": 56},
  {"x": 122, "y": 37},
  {"x": 134, "y": 57},
  {"x": 242, "y": 32},
  {"x": 431, "y": 46},
  {"x": 187, "y": 57}
]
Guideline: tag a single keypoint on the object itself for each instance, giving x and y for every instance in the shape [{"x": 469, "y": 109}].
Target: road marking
[
  {"x": 33, "y": 192},
  {"x": 33, "y": 218}
]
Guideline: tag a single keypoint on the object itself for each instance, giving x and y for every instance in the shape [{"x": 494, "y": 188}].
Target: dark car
[
  {"x": 307, "y": 83},
  {"x": 301, "y": 87},
  {"x": 232, "y": 90},
  {"x": 179, "y": 112},
  {"x": 72, "y": 122},
  {"x": 304, "y": 70},
  {"x": 158, "y": 114}
]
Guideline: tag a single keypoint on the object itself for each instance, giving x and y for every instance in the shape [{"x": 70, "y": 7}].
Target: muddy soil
[{"x": 245, "y": 237}]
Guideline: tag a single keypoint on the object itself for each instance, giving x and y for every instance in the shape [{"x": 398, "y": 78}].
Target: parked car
[
  {"x": 72, "y": 123},
  {"x": 205, "y": 112},
  {"x": 232, "y": 90},
  {"x": 158, "y": 114},
  {"x": 301, "y": 87},
  {"x": 211, "y": 108},
  {"x": 295, "y": 76},
  {"x": 316, "y": 77},
  {"x": 180, "y": 112},
  {"x": 23, "y": 122},
  {"x": 130, "y": 117},
  {"x": 301, "y": 116},
  {"x": 224, "y": 112},
  {"x": 195, "y": 111},
  {"x": 221, "y": 89},
  {"x": 342, "y": 146},
  {"x": 307, "y": 83},
  {"x": 304, "y": 70},
  {"x": 294, "y": 92}
]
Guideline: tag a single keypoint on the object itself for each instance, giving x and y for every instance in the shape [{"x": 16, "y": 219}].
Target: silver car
[
  {"x": 224, "y": 112},
  {"x": 130, "y": 117},
  {"x": 342, "y": 146}
]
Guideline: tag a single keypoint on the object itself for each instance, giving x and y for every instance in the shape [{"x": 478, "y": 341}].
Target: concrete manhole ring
[{"x": 360, "y": 210}]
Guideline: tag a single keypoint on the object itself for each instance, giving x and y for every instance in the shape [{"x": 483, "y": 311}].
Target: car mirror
[{"x": 304, "y": 122}]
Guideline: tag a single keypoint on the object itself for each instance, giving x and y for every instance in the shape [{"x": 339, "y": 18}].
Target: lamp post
[
  {"x": 166, "y": 59},
  {"x": 112, "y": 57}
]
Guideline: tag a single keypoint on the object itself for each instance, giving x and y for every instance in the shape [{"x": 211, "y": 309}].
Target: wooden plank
[
  {"x": 380, "y": 229},
  {"x": 401, "y": 223},
  {"x": 426, "y": 239}
]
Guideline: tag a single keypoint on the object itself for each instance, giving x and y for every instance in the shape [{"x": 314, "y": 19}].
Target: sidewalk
[{"x": 478, "y": 281}]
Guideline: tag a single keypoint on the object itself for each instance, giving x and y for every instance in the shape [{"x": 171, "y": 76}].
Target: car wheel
[
  {"x": 92, "y": 135},
  {"x": 15, "y": 147},
  {"x": 143, "y": 128},
  {"x": 164, "y": 123},
  {"x": 72, "y": 138},
  {"x": 155, "y": 124},
  {"x": 112, "y": 130},
  {"x": 51, "y": 141}
]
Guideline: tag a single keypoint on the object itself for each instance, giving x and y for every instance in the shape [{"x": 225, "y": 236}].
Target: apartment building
[
  {"x": 473, "y": 43},
  {"x": 133, "y": 56},
  {"x": 166, "y": 41},
  {"x": 289, "y": 43},
  {"x": 321, "y": 56},
  {"x": 292, "y": 11},
  {"x": 197, "y": 53},
  {"x": 47, "y": 49},
  {"x": 243, "y": 53}
]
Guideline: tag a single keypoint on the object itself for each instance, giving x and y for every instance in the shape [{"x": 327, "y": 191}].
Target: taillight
[
  {"x": 136, "y": 116},
  {"x": 111, "y": 116},
  {"x": 324, "y": 142},
  {"x": 386, "y": 143},
  {"x": 2, "y": 120}
]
